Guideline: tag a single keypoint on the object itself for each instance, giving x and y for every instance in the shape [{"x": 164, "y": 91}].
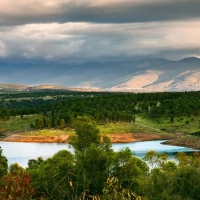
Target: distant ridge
[
  {"x": 23, "y": 88},
  {"x": 12, "y": 87},
  {"x": 145, "y": 75}
]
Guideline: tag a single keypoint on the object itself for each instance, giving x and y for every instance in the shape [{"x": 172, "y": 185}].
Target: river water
[{"x": 22, "y": 152}]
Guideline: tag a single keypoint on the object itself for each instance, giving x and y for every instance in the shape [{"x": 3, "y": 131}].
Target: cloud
[
  {"x": 100, "y": 11},
  {"x": 2, "y": 49},
  {"x": 99, "y": 30},
  {"x": 89, "y": 41}
]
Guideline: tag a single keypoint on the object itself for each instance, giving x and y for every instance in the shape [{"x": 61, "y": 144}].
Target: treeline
[
  {"x": 107, "y": 107},
  {"x": 13, "y": 104},
  {"x": 23, "y": 107},
  {"x": 123, "y": 107},
  {"x": 95, "y": 171},
  {"x": 44, "y": 93}
]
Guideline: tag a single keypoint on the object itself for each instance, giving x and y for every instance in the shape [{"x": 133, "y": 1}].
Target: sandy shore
[{"x": 115, "y": 138}]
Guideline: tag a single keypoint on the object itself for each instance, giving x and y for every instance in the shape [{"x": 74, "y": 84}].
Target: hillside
[
  {"x": 27, "y": 88},
  {"x": 137, "y": 75}
]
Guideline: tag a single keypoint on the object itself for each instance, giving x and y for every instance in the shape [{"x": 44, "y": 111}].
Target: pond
[{"x": 22, "y": 152}]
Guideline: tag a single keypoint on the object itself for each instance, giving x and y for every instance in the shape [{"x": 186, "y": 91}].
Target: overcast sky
[{"x": 90, "y": 30}]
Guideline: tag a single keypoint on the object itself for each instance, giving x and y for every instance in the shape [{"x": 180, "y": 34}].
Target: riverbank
[
  {"x": 185, "y": 142},
  {"x": 138, "y": 137},
  {"x": 115, "y": 138},
  {"x": 36, "y": 138}
]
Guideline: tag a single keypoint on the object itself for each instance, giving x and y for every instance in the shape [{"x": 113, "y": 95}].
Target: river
[{"x": 22, "y": 152}]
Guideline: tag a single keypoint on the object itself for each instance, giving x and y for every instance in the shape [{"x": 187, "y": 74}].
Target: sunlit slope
[{"x": 137, "y": 75}]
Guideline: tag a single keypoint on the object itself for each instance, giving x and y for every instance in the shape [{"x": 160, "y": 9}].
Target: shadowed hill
[{"x": 138, "y": 75}]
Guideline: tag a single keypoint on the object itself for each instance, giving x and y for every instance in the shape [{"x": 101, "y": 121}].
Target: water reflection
[
  {"x": 22, "y": 152},
  {"x": 139, "y": 149}
]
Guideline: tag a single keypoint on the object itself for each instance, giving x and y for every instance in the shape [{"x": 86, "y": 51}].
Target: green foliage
[
  {"x": 15, "y": 169},
  {"x": 129, "y": 170},
  {"x": 187, "y": 122},
  {"x": 53, "y": 176},
  {"x": 3, "y": 164},
  {"x": 97, "y": 172},
  {"x": 87, "y": 133},
  {"x": 68, "y": 176},
  {"x": 93, "y": 167},
  {"x": 155, "y": 159},
  {"x": 172, "y": 118}
]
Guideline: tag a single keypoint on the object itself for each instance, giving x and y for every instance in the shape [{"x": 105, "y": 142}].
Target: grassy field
[
  {"x": 181, "y": 124},
  {"x": 17, "y": 123},
  {"x": 184, "y": 125},
  {"x": 45, "y": 132},
  {"x": 23, "y": 125},
  {"x": 123, "y": 127}
]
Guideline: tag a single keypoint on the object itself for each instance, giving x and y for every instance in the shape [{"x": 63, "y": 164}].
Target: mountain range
[{"x": 144, "y": 75}]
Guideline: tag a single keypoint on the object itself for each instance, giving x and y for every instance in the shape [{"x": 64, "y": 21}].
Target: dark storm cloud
[
  {"x": 88, "y": 41},
  {"x": 127, "y": 11},
  {"x": 87, "y": 30},
  {"x": 130, "y": 12}
]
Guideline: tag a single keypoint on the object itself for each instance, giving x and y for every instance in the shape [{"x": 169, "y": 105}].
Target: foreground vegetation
[{"x": 94, "y": 171}]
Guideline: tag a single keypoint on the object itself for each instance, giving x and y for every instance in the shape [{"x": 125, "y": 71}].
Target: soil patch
[
  {"x": 185, "y": 142},
  {"x": 115, "y": 138},
  {"x": 137, "y": 137},
  {"x": 37, "y": 139}
]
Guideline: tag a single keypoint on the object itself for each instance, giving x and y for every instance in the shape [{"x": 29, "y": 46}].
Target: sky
[{"x": 99, "y": 30}]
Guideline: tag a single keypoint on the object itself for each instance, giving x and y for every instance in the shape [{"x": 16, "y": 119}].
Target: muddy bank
[
  {"x": 175, "y": 140},
  {"x": 36, "y": 138},
  {"x": 115, "y": 138},
  {"x": 137, "y": 137},
  {"x": 185, "y": 142}
]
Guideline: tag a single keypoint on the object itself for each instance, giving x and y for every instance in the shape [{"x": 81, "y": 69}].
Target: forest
[
  {"x": 92, "y": 170},
  {"x": 59, "y": 109}
]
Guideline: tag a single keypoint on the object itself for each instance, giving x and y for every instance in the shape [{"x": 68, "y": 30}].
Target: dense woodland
[
  {"x": 62, "y": 108},
  {"x": 94, "y": 171}
]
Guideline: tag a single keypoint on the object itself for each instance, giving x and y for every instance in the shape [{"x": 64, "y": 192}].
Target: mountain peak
[
  {"x": 190, "y": 59},
  {"x": 144, "y": 75}
]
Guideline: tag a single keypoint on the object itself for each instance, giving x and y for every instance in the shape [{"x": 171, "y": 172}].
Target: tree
[
  {"x": 171, "y": 118},
  {"x": 48, "y": 123},
  {"x": 15, "y": 169},
  {"x": 133, "y": 118},
  {"x": 53, "y": 177},
  {"x": 86, "y": 133},
  {"x": 129, "y": 170},
  {"x": 3, "y": 164},
  {"x": 41, "y": 123},
  {"x": 62, "y": 123},
  {"x": 93, "y": 168}
]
